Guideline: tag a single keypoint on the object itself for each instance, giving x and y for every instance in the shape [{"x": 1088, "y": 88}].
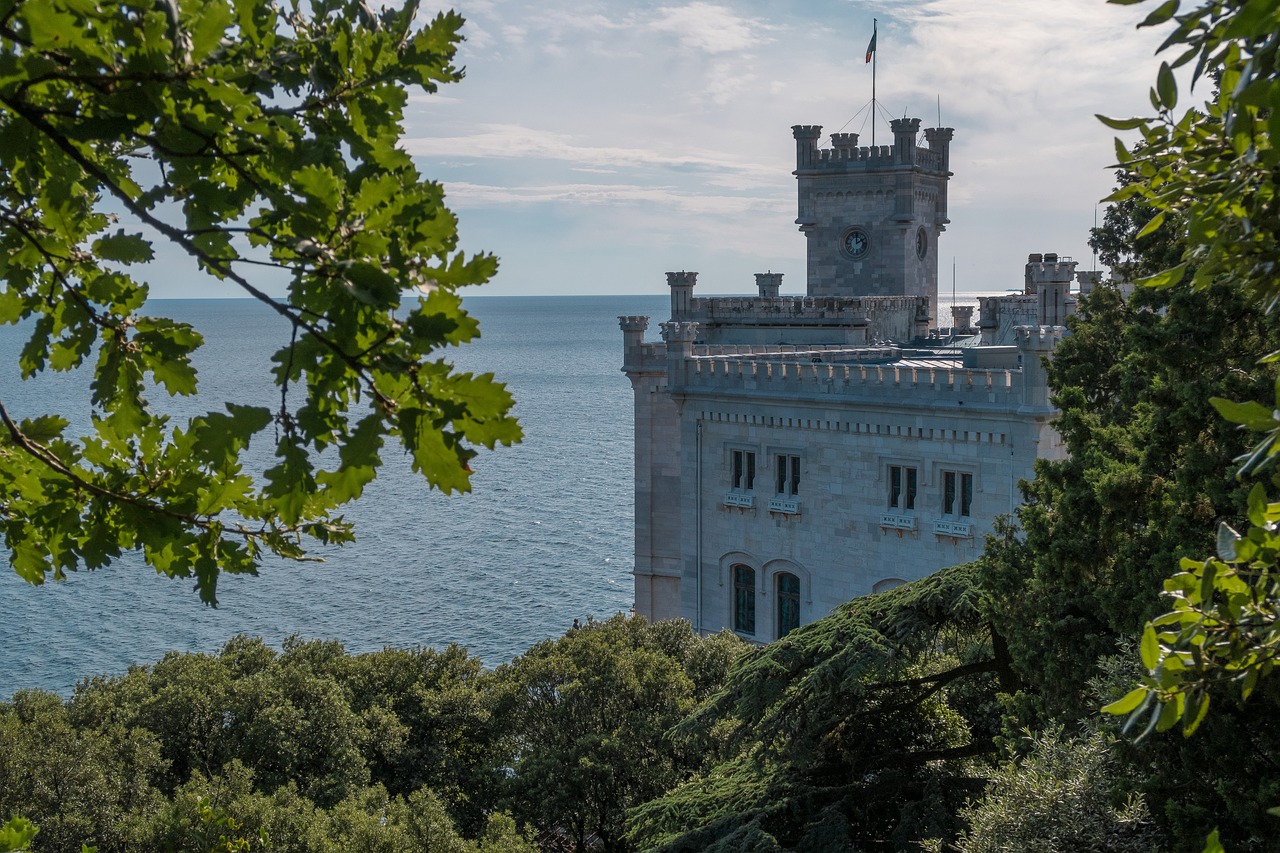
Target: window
[
  {"x": 902, "y": 487},
  {"x": 957, "y": 493},
  {"x": 743, "y": 463},
  {"x": 788, "y": 475},
  {"x": 788, "y": 594},
  {"x": 744, "y": 599}
]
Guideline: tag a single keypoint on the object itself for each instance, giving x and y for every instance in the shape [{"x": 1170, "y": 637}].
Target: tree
[
  {"x": 588, "y": 715},
  {"x": 1146, "y": 476},
  {"x": 1215, "y": 167},
  {"x": 1060, "y": 796},
  {"x": 863, "y": 730},
  {"x": 248, "y": 137}
]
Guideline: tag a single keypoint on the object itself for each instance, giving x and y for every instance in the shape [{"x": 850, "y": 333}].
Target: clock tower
[{"x": 872, "y": 215}]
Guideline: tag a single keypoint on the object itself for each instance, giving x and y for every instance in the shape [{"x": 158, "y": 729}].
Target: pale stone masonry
[{"x": 795, "y": 452}]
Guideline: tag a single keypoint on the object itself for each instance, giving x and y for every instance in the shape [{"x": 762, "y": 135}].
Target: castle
[{"x": 792, "y": 453}]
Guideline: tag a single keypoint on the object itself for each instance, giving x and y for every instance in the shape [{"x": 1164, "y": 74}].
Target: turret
[
  {"x": 939, "y": 139},
  {"x": 989, "y": 319},
  {"x": 769, "y": 284},
  {"x": 681, "y": 284},
  {"x": 1035, "y": 344},
  {"x": 679, "y": 337},
  {"x": 905, "y": 131},
  {"x": 845, "y": 145},
  {"x": 807, "y": 136},
  {"x": 633, "y": 327},
  {"x": 961, "y": 318},
  {"x": 1049, "y": 278}
]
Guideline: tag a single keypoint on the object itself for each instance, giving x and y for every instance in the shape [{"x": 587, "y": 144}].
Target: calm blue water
[{"x": 545, "y": 537}]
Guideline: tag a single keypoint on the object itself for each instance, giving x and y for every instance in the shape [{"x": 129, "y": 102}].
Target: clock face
[
  {"x": 856, "y": 243},
  {"x": 922, "y": 244}
]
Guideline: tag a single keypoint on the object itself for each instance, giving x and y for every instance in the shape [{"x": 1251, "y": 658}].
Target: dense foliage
[
  {"x": 1213, "y": 169},
  {"x": 1147, "y": 477},
  {"x": 859, "y": 728},
  {"x": 261, "y": 142},
  {"x": 313, "y": 749}
]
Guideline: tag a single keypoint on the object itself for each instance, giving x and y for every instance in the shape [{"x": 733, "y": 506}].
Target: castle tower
[
  {"x": 872, "y": 215},
  {"x": 1049, "y": 279}
]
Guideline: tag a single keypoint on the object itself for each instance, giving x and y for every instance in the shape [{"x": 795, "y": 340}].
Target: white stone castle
[{"x": 792, "y": 453}]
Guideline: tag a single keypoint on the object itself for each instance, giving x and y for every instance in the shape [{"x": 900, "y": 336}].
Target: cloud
[
  {"x": 671, "y": 198},
  {"x": 709, "y": 28},
  {"x": 501, "y": 141}
]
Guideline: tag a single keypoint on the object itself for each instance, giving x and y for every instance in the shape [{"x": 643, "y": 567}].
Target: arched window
[
  {"x": 744, "y": 599},
  {"x": 788, "y": 595}
]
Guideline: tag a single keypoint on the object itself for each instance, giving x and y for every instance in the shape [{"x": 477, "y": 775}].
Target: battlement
[
  {"x": 828, "y": 375},
  {"x": 845, "y": 155},
  {"x": 827, "y": 310}
]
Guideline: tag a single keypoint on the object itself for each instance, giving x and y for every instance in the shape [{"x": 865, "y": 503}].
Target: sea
[{"x": 545, "y": 537}]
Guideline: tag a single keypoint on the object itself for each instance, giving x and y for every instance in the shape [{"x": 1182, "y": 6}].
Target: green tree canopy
[
  {"x": 256, "y": 139},
  {"x": 1213, "y": 169},
  {"x": 862, "y": 730},
  {"x": 588, "y": 715}
]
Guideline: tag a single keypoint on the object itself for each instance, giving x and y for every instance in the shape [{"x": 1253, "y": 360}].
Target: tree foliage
[
  {"x": 320, "y": 751},
  {"x": 589, "y": 715},
  {"x": 858, "y": 730},
  {"x": 1214, "y": 167},
  {"x": 1147, "y": 475},
  {"x": 257, "y": 140}
]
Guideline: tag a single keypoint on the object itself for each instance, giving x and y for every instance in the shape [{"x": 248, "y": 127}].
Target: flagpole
[{"x": 874, "y": 21}]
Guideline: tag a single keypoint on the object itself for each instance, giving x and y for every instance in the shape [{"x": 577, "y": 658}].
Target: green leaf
[
  {"x": 1197, "y": 709},
  {"x": 1129, "y": 702},
  {"x": 1167, "y": 278},
  {"x": 1151, "y": 226},
  {"x": 1162, "y": 13},
  {"x": 17, "y": 834},
  {"x": 1167, "y": 86},
  {"x": 1255, "y": 416},
  {"x": 1150, "y": 648},
  {"x": 211, "y": 23},
  {"x": 125, "y": 248},
  {"x": 1120, "y": 123}
]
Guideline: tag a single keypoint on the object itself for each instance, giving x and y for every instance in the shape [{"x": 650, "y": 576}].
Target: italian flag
[{"x": 871, "y": 46}]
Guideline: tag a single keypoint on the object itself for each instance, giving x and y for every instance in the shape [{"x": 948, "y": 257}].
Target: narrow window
[
  {"x": 957, "y": 493},
  {"x": 744, "y": 599},
  {"x": 744, "y": 470},
  {"x": 902, "y": 487},
  {"x": 788, "y": 595},
  {"x": 788, "y": 475}
]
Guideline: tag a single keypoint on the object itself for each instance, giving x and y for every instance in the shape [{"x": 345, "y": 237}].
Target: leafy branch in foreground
[
  {"x": 249, "y": 137},
  {"x": 1215, "y": 169}
]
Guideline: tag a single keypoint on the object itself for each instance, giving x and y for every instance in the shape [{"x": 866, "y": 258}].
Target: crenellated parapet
[
  {"x": 845, "y": 155},
  {"x": 831, "y": 378}
]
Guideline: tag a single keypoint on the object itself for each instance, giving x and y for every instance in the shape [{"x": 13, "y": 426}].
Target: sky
[{"x": 594, "y": 145}]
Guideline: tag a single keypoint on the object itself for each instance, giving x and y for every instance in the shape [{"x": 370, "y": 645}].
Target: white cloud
[
  {"x": 709, "y": 27},
  {"x": 507, "y": 142}
]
